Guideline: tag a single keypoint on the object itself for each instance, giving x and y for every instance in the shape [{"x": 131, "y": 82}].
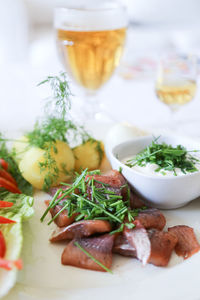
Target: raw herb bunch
[
  {"x": 56, "y": 125},
  {"x": 94, "y": 200},
  {"x": 167, "y": 158},
  {"x": 60, "y": 103}
]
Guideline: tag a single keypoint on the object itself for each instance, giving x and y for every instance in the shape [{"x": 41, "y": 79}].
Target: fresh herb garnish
[
  {"x": 61, "y": 103},
  {"x": 92, "y": 257},
  {"x": 56, "y": 125},
  {"x": 166, "y": 157},
  {"x": 93, "y": 200}
]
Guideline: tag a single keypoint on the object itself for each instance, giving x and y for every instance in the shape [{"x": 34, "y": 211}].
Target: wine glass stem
[
  {"x": 172, "y": 118},
  {"x": 94, "y": 110},
  {"x": 91, "y": 105}
]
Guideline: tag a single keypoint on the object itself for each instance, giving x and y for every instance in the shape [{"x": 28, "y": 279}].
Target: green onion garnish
[
  {"x": 89, "y": 201},
  {"x": 166, "y": 157},
  {"x": 92, "y": 257}
]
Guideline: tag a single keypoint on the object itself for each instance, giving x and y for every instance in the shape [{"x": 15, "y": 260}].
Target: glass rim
[
  {"x": 113, "y": 15},
  {"x": 90, "y": 9},
  {"x": 179, "y": 55}
]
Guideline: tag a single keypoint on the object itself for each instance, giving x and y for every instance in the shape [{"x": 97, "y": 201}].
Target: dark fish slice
[
  {"x": 138, "y": 238},
  {"x": 99, "y": 247},
  {"x": 114, "y": 179},
  {"x": 123, "y": 247},
  {"x": 151, "y": 218},
  {"x": 62, "y": 219},
  {"x": 117, "y": 191},
  {"x": 136, "y": 201},
  {"x": 80, "y": 229},
  {"x": 160, "y": 250},
  {"x": 162, "y": 245},
  {"x": 187, "y": 244},
  {"x": 54, "y": 189}
]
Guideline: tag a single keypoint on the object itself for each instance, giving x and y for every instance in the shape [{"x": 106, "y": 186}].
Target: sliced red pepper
[
  {"x": 9, "y": 186},
  {"x": 5, "y": 204},
  {"x": 7, "y": 176},
  {"x": 4, "y": 220},
  {"x": 9, "y": 264},
  {"x": 2, "y": 245},
  {"x": 4, "y": 164},
  {"x": 6, "y": 264},
  {"x": 18, "y": 263}
]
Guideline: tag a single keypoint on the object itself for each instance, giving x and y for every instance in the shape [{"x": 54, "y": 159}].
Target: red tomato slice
[
  {"x": 18, "y": 263},
  {"x": 4, "y": 220},
  {"x": 4, "y": 183},
  {"x": 7, "y": 176},
  {"x": 6, "y": 264},
  {"x": 5, "y": 204},
  {"x": 3, "y": 164},
  {"x": 2, "y": 245},
  {"x": 9, "y": 264}
]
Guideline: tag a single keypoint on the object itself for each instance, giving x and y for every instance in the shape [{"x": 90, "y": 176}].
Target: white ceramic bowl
[{"x": 159, "y": 191}]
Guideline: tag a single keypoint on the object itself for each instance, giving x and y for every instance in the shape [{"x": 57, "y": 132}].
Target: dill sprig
[
  {"x": 166, "y": 157},
  {"x": 56, "y": 125},
  {"x": 94, "y": 200},
  {"x": 60, "y": 103}
]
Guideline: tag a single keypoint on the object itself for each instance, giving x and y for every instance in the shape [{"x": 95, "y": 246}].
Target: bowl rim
[{"x": 135, "y": 140}]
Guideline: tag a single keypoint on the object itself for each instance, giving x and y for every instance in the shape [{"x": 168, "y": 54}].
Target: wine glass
[
  {"x": 176, "y": 80},
  {"x": 90, "y": 42}
]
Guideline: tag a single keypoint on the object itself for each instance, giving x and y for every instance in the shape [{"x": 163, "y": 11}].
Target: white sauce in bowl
[{"x": 149, "y": 169}]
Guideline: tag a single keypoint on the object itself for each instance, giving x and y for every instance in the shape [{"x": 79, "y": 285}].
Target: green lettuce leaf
[
  {"x": 24, "y": 186},
  {"x": 21, "y": 211}
]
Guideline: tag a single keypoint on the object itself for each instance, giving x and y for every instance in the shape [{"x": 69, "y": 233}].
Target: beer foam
[{"x": 90, "y": 20}]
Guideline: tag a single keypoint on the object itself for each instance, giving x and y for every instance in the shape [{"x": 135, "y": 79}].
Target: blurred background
[{"x": 28, "y": 54}]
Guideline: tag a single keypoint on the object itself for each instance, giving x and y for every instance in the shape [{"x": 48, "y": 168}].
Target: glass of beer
[
  {"x": 90, "y": 42},
  {"x": 176, "y": 80}
]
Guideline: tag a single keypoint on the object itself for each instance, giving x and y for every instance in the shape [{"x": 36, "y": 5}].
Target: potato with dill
[
  {"x": 88, "y": 155},
  {"x": 49, "y": 159},
  {"x": 45, "y": 168},
  {"x": 20, "y": 147}
]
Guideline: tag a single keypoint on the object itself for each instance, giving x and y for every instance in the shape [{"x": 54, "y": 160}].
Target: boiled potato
[
  {"x": 30, "y": 168},
  {"x": 88, "y": 155},
  {"x": 20, "y": 147},
  {"x": 105, "y": 164}
]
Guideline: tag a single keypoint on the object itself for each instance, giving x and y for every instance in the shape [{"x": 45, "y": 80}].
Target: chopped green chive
[
  {"x": 93, "y": 258},
  {"x": 89, "y": 201},
  {"x": 166, "y": 157}
]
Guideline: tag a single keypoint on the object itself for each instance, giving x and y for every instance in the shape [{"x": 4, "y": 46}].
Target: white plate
[{"x": 43, "y": 276}]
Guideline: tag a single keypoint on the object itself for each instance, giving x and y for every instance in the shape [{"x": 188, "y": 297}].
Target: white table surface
[
  {"x": 126, "y": 100},
  {"x": 133, "y": 101}
]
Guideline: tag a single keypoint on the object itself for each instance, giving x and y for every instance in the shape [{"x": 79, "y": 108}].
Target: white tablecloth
[{"x": 133, "y": 101}]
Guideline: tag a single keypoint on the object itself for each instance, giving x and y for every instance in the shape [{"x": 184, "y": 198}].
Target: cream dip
[{"x": 149, "y": 168}]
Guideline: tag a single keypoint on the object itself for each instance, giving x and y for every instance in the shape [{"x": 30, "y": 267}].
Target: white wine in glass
[
  {"x": 176, "y": 80},
  {"x": 176, "y": 92},
  {"x": 90, "y": 43},
  {"x": 92, "y": 56}
]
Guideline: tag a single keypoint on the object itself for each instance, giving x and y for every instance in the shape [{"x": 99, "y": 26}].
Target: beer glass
[{"x": 90, "y": 42}]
